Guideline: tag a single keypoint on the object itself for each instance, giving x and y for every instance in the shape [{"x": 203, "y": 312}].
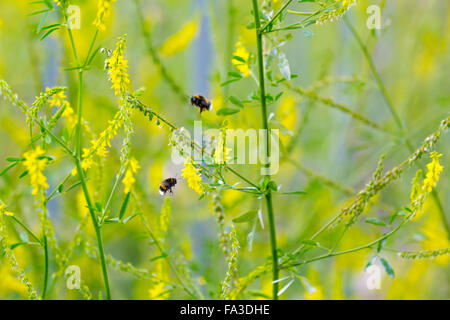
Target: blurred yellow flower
[
  {"x": 434, "y": 169},
  {"x": 104, "y": 9},
  {"x": 118, "y": 68},
  {"x": 242, "y": 63},
  {"x": 192, "y": 175},
  {"x": 58, "y": 99},
  {"x": 129, "y": 180},
  {"x": 35, "y": 166},
  {"x": 180, "y": 40},
  {"x": 99, "y": 146},
  {"x": 158, "y": 290},
  {"x": 4, "y": 211},
  {"x": 164, "y": 218}
]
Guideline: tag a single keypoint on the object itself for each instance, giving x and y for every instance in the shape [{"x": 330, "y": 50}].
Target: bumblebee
[
  {"x": 167, "y": 185},
  {"x": 201, "y": 102}
]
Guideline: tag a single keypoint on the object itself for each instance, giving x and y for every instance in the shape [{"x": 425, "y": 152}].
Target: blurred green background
[{"x": 411, "y": 53}]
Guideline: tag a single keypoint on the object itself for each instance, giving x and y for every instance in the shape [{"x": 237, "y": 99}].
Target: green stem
[
  {"x": 156, "y": 59},
  {"x": 44, "y": 290},
  {"x": 268, "y": 196},
  {"x": 275, "y": 16},
  {"x": 96, "y": 227},
  {"x": 28, "y": 230},
  {"x": 77, "y": 157}
]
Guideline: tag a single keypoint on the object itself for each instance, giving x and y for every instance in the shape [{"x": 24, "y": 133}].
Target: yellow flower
[
  {"x": 104, "y": 9},
  {"x": 434, "y": 169},
  {"x": 192, "y": 175},
  {"x": 35, "y": 166},
  {"x": 129, "y": 180},
  {"x": 180, "y": 40},
  {"x": 221, "y": 148},
  {"x": 58, "y": 99},
  {"x": 3, "y": 210},
  {"x": 118, "y": 68},
  {"x": 242, "y": 53},
  {"x": 159, "y": 291},
  {"x": 164, "y": 218},
  {"x": 99, "y": 146}
]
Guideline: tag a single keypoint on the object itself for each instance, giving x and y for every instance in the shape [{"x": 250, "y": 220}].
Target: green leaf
[
  {"x": 235, "y": 74},
  {"x": 375, "y": 221},
  {"x": 387, "y": 267},
  {"x": 12, "y": 165},
  {"x": 306, "y": 284},
  {"x": 164, "y": 255},
  {"x": 239, "y": 59},
  {"x": 98, "y": 206},
  {"x": 23, "y": 174},
  {"x": 227, "y": 111},
  {"x": 236, "y": 101},
  {"x": 48, "y": 33},
  {"x": 395, "y": 215},
  {"x": 294, "y": 193},
  {"x": 112, "y": 220},
  {"x": 41, "y": 23},
  {"x": 246, "y": 217},
  {"x": 311, "y": 243},
  {"x": 127, "y": 219},
  {"x": 223, "y": 84},
  {"x": 285, "y": 287},
  {"x": 371, "y": 262},
  {"x": 283, "y": 65},
  {"x": 124, "y": 205}
]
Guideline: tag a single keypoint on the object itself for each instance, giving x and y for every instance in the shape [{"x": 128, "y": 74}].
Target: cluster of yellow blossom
[
  {"x": 180, "y": 40},
  {"x": 242, "y": 63},
  {"x": 129, "y": 180},
  {"x": 35, "y": 165},
  {"x": 99, "y": 146},
  {"x": 4, "y": 211},
  {"x": 58, "y": 99},
  {"x": 104, "y": 9},
  {"x": 222, "y": 152},
  {"x": 335, "y": 14},
  {"x": 434, "y": 169},
  {"x": 117, "y": 68},
  {"x": 192, "y": 176}
]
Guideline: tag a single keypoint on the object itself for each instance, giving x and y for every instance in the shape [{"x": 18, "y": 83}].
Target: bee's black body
[
  {"x": 201, "y": 102},
  {"x": 167, "y": 185}
]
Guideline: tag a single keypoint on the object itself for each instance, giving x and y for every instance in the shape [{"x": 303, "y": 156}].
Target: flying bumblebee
[
  {"x": 201, "y": 102},
  {"x": 167, "y": 185}
]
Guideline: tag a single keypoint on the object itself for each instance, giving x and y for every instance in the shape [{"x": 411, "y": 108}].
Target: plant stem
[
  {"x": 268, "y": 196},
  {"x": 85, "y": 189},
  {"x": 96, "y": 227},
  {"x": 44, "y": 290},
  {"x": 156, "y": 59},
  {"x": 395, "y": 115},
  {"x": 275, "y": 16}
]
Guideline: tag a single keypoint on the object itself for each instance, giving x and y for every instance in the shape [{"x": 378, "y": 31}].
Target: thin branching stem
[
  {"x": 268, "y": 195},
  {"x": 394, "y": 114}
]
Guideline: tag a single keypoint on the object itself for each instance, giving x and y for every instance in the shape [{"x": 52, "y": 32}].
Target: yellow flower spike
[
  {"x": 129, "y": 180},
  {"x": 432, "y": 175},
  {"x": 192, "y": 176},
  {"x": 104, "y": 10},
  {"x": 118, "y": 67},
  {"x": 242, "y": 53},
  {"x": 58, "y": 99},
  {"x": 35, "y": 167},
  {"x": 180, "y": 40}
]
